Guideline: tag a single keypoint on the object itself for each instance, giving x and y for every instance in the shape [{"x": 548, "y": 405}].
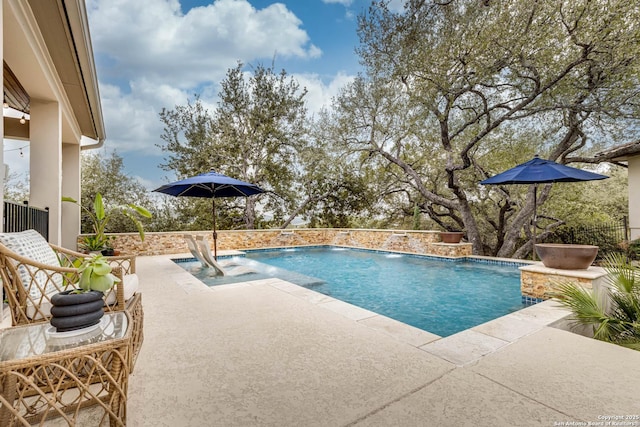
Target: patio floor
[{"x": 272, "y": 353}]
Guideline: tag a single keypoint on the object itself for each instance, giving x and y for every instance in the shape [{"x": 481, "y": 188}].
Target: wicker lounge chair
[
  {"x": 205, "y": 251},
  {"x": 32, "y": 271}
]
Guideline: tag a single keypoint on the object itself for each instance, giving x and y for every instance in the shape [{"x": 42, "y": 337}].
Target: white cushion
[
  {"x": 30, "y": 244},
  {"x": 130, "y": 288}
]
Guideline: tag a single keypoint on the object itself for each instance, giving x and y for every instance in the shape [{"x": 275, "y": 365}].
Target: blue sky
[{"x": 158, "y": 53}]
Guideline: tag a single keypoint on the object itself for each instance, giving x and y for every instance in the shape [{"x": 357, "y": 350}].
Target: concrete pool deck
[{"x": 272, "y": 353}]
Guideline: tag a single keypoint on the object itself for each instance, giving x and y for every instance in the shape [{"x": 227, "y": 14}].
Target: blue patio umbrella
[
  {"x": 540, "y": 171},
  {"x": 210, "y": 185}
]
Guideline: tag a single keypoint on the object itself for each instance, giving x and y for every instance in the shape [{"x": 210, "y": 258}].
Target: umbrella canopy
[
  {"x": 540, "y": 171},
  {"x": 210, "y": 185}
]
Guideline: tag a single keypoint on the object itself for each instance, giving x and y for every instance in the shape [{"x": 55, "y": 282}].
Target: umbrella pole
[
  {"x": 535, "y": 218},
  {"x": 215, "y": 234}
]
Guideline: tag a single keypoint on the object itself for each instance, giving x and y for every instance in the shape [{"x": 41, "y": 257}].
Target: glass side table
[{"x": 45, "y": 375}]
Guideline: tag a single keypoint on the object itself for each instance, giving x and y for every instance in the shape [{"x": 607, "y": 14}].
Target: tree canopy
[
  {"x": 451, "y": 93},
  {"x": 105, "y": 174},
  {"x": 253, "y": 135},
  {"x": 454, "y": 93}
]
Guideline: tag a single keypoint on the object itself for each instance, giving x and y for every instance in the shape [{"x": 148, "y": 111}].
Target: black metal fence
[
  {"x": 20, "y": 217},
  {"x": 611, "y": 237}
]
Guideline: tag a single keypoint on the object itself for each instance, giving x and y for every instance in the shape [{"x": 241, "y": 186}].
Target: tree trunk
[{"x": 250, "y": 213}]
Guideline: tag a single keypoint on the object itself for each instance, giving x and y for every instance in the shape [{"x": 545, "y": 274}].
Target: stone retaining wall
[{"x": 420, "y": 242}]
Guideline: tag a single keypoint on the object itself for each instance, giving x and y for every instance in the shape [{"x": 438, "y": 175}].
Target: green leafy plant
[
  {"x": 94, "y": 242},
  {"x": 615, "y": 317},
  {"x": 633, "y": 249},
  {"x": 100, "y": 218},
  {"x": 95, "y": 274}
]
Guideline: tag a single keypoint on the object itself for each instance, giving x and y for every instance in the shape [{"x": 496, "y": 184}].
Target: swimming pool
[{"x": 439, "y": 296}]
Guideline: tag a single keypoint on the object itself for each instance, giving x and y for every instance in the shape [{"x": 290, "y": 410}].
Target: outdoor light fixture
[
  {"x": 23, "y": 120},
  {"x": 5, "y": 104}
]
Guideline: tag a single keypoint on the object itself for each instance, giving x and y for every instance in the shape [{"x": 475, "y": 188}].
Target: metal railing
[{"x": 20, "y": 217}]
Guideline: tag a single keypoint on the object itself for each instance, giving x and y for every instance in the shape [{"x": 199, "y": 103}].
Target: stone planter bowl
[
  {"x": 565, "y": 256},
  {"x": 451, "y": 236}
]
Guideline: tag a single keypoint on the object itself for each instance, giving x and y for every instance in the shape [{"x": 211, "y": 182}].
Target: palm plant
[
  {"x": 615, "y": 317},
  {"x": 100, "y": 217}
]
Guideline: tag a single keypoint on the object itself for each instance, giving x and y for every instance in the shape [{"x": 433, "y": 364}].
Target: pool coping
[{"x": 463, "y": 348}]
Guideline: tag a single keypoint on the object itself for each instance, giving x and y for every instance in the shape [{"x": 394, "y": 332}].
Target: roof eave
[
  {"x": 79, "y": 28},
  {"x": 621, "y": 153}
]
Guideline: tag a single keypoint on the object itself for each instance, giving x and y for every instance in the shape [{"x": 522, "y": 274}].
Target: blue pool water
[{"x": 442, "y": 297}]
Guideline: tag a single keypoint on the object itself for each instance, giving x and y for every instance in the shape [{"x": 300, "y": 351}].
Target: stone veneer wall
[
  {"x": 420, "y": 242},
  {"x": 539, "y": 282},
  {"x": 542, "y": 285}
]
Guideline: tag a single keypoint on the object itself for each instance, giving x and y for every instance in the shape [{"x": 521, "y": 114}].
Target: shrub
[{"x": 618, "y": 322}]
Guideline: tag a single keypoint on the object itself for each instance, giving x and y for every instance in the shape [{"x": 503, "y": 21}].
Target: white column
[
  {"x": 634, "y": 196},
  {"x": 46, "y": 162},
  {"x": 70, "y": 188}
]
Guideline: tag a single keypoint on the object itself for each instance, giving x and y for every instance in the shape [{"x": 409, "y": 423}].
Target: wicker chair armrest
[
  {"x": 118, "y": 288},
  {"x": 67, "y": 257},
  {"x": 126, "y": 262},
  {"x": 66, "y": 251}
]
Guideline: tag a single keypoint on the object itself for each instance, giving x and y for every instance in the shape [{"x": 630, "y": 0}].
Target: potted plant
[
  {"x": 93, "y": 244},
  {"x": 109, "y": 250},
  {"x": 100, "y": 218},
  {"x": 81, "y": 308}
]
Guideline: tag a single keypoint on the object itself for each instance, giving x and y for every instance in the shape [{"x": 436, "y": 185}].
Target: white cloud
[
  {"x": 154, "y": 39},
  {"x": 319, "y": 94},
  {"x": 148, "y": 183},
  {"x": 132, "y": 119},
  {"x": 342, "y": 2}
]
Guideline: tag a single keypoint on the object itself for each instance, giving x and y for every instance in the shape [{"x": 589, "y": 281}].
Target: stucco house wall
[{"x": 49, "y": 76}]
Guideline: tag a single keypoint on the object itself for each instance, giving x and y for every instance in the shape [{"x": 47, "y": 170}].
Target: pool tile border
[
  {"x": 528, "y": 300},
  {"x": 504, "y": 262}
]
